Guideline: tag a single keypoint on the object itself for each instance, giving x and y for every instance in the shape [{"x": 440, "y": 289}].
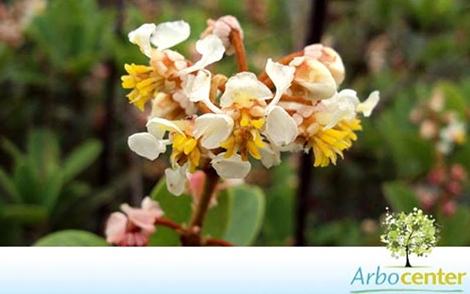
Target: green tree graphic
[{"x": 405, "y": 234}]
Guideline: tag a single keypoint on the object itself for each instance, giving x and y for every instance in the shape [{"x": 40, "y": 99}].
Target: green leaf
[
  {"x": 400, "y": 197},
  {"x": 176, "y": 208},
  {"x": 218, "y": 217},
  {"x": 43, "y": 153},
  {"x": 247, "y": 215},
  {"x": 7, "y": 187},
  {"x": 71, "y": 238},
  {"x": 51, "y": 190},
  {"x": 452, "y": 232},
  {"x": 164, "y": 237},
  {"x": 24, "y": 213},
  {"x": 81, "y": 158},
  {"x": 278, "y": 230},
  {"x": 26, "y": 183}
]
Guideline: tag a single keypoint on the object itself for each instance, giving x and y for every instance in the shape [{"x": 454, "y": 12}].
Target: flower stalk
[{"x": 239, "y": 48}]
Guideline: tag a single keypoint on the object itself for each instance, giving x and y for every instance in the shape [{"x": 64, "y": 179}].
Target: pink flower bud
[
  {"x": 449, "y": 208},
  {"x": 454, "y": 187},
  {"x": 458, "y": 172}
]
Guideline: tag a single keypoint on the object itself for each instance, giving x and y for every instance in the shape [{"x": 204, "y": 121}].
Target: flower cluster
[
  {"x": 221, "y": 122},
  {"x": 441, "y": 188},
  {"x": 442, "y": 126}
]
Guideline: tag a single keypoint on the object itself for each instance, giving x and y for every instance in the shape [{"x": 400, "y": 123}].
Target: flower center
[
  {"x": 246, "y": 137},
  {"x": 185, "y": 149}
]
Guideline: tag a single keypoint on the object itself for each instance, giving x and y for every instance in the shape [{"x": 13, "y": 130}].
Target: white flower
[
  {"x": 176, "y": 179},
  {"x": 230, "y": 168},
  {"x": 329, "y": 58},
  {"x": 151, "y": 144},
  {"x": 146, "y": 145},
  {"x": 213, "y": 129},
  {"x": 453, "y": 133},
  {"x": 211, "y": 50},
  {"x": 280, "y": 126},
  {"x": 344, "y": 106},
  {"x": 243, "y": 88},
  {"x": 312, "y": 79},
  {"x": 163, "y": 36},
  {"x": 169, "y": 34}
]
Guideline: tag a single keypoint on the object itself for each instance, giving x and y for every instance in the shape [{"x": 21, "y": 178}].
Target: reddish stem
[
  {"x": 217, "y": 242},
  {"x": 239, "y": 48}
]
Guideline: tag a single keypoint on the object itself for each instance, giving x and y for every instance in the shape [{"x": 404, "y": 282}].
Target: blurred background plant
[{"x": 60, "y": 62}]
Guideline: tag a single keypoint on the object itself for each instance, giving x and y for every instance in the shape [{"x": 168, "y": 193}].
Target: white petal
[
  {"x": 150, "y": 205},
  {"x": 176, "y": 179},
  {"x": 242, "y": 88},
  {"x": 280, "y": 127},
  {"x": 319, "y": 81},
  {"x": 367, "y": 106},
  {"x": 213, "y": 128},
  {"x": 341, "y": 106},
  {"x": 230, "y": 168},
  {"x": 282, "y": 76},
  {"x": 169, "y": 34},
  {"x": 197, "y": 87},
  {"x": 270, "y": 156},
  {"x": 159, "y": 126},
  {"x": 146, "y": 145},
  {"x": 141, "y": 37},
  {"x": 212, "y": 50}
]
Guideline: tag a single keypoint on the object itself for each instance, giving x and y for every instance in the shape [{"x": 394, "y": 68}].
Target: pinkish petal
[
  {"x": 116, "y": 228},
  {"x": 141, "y": 218}
]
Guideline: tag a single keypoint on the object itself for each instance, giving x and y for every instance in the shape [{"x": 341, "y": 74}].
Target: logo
[
  {"x": 406, "y": 280},
  {"x": 406, "y": 234}
]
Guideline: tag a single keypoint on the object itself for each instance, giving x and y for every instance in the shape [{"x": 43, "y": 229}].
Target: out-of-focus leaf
[
  {"x": 413, "y": 156},
  {"x": 400, "y": 197},
  {"x": 51, "y": 189},
  {"x": 164, "y": 237},
  {"x": 7, "y": 187},
  {"x": 176, "y": 208},
  {"x": 462, "y": 156},
  {"x": 26, "y": 183},
  {"x": 23, "y": 213},
  {"x": 81, "y": 158},
  {"x": 454, "y": 99},
  {"x": 216, "y": 223},
  {"x": 453, "y": 232},
  {"x": 248, "y": 210},
  {"x": 279, "y": 202},
  {"x": 71, "y": 238},
  {"x": 43, "y": 153}
]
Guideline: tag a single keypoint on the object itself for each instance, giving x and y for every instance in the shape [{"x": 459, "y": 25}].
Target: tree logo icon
[{"x": 412, "y": 233}]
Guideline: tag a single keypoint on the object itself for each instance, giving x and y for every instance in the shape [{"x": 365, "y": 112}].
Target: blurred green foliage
[{"x": 42, "y": 186}]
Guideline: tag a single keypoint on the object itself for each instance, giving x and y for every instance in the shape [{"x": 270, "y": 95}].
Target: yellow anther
[
  {"x": 195, "y": 157},
  {"x": 258, "y": 123},
  {"x": 253, "y": 150},
  {"x": 178, "y": 142},
  {"x": 189, "y": 145}
]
